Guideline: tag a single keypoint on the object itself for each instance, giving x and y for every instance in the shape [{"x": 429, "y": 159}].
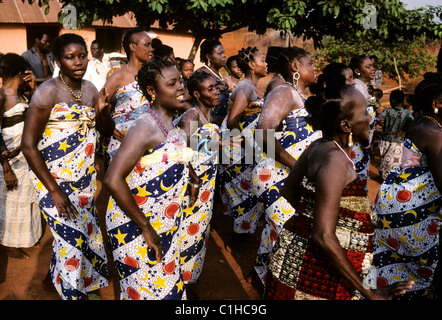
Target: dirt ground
[{"x": 223, "y": 277}]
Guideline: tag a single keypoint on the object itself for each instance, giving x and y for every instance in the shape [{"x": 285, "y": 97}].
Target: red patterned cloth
[{"x": 298, "y": 268}]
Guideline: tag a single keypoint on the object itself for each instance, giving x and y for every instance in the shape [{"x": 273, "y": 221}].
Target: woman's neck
[
  {"x": 363, "y": 80},
  {"x": 205, "y": 110},
  {"x": 72, "y": 84},
  {"x": 164, "y": 114}
]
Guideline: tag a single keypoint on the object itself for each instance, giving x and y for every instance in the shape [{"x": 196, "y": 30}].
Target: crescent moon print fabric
[
  {"x": 406, "y": 238},
  {"x": 158, "y": 189},
  {"x": 237, "y": 196},
  {"x": 196, "y": 219},
  {"x": 78, "y": 264},
  {"x": 269, "y": 177}
]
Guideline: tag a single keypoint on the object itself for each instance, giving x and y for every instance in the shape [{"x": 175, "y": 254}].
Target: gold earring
[
  {"x": 436, "y": 110},
  {"x": 350, "y": 140}
]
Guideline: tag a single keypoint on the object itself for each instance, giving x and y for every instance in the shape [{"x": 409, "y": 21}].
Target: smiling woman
[
  {"x": 58, "y": 135},
  {"x": 144, "y": 214}
]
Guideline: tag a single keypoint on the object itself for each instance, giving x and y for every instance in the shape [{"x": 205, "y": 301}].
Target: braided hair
[
  {"x": 326, "y": 109},
  {"x": 149, "y": 72},
  {"x": 286, "y": 57},
  {"x": 332, "y": 76},
  {"x": 195, "y": 80},
  {"x": 245, "y": 55},
  {"x": 426, "y": 92}
]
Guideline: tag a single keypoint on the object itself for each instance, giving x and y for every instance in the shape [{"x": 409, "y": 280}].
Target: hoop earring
[
  {"x": 350, "y": 140},
  {"x": 296, "y": 77}
]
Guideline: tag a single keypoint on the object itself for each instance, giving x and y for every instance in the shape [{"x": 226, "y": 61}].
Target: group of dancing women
[{"x": 294, "y": 167}]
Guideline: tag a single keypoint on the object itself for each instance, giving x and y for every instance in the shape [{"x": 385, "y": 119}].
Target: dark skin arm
[
  {"x": 36, "y": 118},
  {"x": 240, "y": 103},
  {"x": 8, "y": 174},
  {"x": 331, "y": 173},
  {"x": 277, "y": 106},
  {"x": 131, "y": 150}
]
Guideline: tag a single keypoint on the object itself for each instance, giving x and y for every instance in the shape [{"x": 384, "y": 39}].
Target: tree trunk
[{"x": 195, "y": 46}]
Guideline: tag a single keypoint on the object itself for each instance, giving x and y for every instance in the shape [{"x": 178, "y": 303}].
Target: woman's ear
[
  {"x": 132, "y": 47},
  {"x": 151, "y": 91},
  {"x": 196, "y": 94},
  {"x": 345, "y": 126},
  {"x": 294, "y": 66}
]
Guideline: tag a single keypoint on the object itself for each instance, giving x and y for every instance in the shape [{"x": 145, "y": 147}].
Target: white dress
[{"x": 20, "y": 218}]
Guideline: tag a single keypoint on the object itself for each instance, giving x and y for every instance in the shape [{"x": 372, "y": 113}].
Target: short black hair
[
  {"x": 65, "y": 39},
  {"x": 11, "y": 64},
  {"x": 100, "y": 44},
  {"x": 148, "y": 73},
  {"x": 39, "y": 33},
  {"x": 207, "y": 47},
  {"x": 127, "y": 39}
]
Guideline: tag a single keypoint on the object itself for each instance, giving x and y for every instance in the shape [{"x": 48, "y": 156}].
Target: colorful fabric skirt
[
  {"x": 268, "y": 179},
  {"x": 406, "y": 242},
  {"x": 79, "y": 262},
  {"x": 298, "y": 269},
  {"x": 195, "y": 226},
  {"x": 237, "y": 195},
  {"x": 158, "y": 189}
]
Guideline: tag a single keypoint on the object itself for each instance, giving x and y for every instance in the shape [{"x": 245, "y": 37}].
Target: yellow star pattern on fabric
[
  {"x": 94, "y": 261},
  {"x": 180, "y": 286},
  {"x": 120, "y": 236},
  {"x": 237, "y": 169},
  {"x": 157, "y": 224},
  {"x": 91, "y": 169},
  {"x": 160, "y": 282},
  {"x": 142, "y": 251},
  {"x": 63, "y": 252},
  {"x": 404, "y": 176},
  {"x": 48, "y": 133},
  {"x": 63, "y": 146},
  {"x": 80, "y": 163},
  {"x": 385, "y": 223},
  {"x": 205, "y": 178},
  {"x": 142, "y": 192},
  {"x": 240, "y": 211},
  {"x": 403, "y": 238},
  {"x": 39, "y": 185},
  {"x": 188, "y": 211},
  {"x": 309, "y": 128},
  {"x": 79, "y": 241},
  {"x": 421, "y": 186},
  {"x": 395, "y": 255}
]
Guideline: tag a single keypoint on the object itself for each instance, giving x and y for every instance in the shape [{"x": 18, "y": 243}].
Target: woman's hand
[
  {"x": 194, "y": 189},
  {"x": 10, "y": 180},
  {"x": 153, "y": 241},
  {"x": 64, "y": 205},
  {"x": 29, "y": 78},
  {"x": 392, "y": 291}
]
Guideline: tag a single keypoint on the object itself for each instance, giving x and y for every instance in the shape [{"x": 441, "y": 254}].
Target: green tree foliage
[{"x": 311, "y": 19}]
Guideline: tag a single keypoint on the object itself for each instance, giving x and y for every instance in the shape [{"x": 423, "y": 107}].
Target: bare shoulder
[{"x": 44, "y": 96}]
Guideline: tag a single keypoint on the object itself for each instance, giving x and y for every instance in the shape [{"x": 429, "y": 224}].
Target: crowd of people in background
[{"x": 155, "y": 146}]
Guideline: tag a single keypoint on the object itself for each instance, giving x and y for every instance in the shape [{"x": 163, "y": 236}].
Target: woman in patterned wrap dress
[
  {"x": 236, "y": 176},
  {"x": 147, "y": 180},
  {"x": 202, "y": 136},
  {"x": 59, "y": 143},
  {"x": 283, "y": 112},
  {"x": 409, "y": 202},
  {"x": 322, "y": 250}
]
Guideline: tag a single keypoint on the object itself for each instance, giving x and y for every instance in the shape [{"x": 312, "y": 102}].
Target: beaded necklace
[
  {"x": 202, "y": 115},
  {"x": 297, "y": 90},
  {"x": 437, "y": 123},
  {"x": 76, "y": 96},
  {"x": 159, "y": 122},
  {"x": 217, "y": 76},
  {"x": 352, "y": 163}
]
